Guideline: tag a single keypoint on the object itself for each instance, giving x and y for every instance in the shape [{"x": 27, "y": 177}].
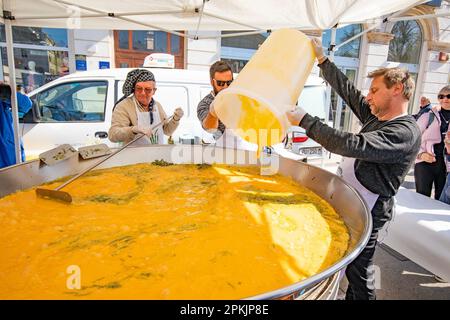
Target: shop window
[
  {"x": 37, "y": 36},
  {"x": 35, "y": 60},
  {"x": 35, "y": 67}
]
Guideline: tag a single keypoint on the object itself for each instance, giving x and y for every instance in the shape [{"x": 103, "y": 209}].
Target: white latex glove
[
  {"x": 318, "y": 50},
  {"x": 296, "y": 115},
  {"x": 212, "y": 111},
  {"x": 145, "y": 130},
  {"x": 178, "y": 114}
]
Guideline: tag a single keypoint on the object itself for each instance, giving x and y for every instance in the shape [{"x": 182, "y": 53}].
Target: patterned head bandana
[{"x": 135, "y": 76}]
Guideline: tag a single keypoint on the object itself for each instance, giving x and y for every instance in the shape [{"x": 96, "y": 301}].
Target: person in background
[
  {"x": 445, "y": 194},
  {"x": 136, "y": 112},
  {"x": 375, "y": 160},
  {"x": 221, "y": 77},
  {"x": 7, "y": 146},
  {"x": 425, "y": 106},
  {"x": 430, "y": 168}
]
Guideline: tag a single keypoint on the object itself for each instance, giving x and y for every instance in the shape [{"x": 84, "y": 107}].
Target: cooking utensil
[{"x": 57, "y": 194}]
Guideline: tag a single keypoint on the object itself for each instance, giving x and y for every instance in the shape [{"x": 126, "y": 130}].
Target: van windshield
[{"x": 313, "y": 100}]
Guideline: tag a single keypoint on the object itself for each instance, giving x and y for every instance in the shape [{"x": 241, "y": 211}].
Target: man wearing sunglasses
[
  {"x": 136, "y": 112},
  {"x": 375, "y": 160},
  {"x": 221, "y": 77}
]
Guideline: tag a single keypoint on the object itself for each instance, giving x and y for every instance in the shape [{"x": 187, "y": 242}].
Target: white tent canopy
[
  {"x": 188, "y": 15},
  {"x": 198, "y": 14}
]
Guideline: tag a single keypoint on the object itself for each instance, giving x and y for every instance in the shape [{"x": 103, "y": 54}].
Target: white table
[{"x": 420, "y": 231}]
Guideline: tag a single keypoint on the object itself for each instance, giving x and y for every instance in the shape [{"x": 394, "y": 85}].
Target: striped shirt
[{"x": 202, "y": 112}]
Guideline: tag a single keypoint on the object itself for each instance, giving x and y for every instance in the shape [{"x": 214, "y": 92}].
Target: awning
[{"x": 188, "y": 15}]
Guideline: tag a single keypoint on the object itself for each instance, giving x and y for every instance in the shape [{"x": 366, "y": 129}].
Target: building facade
[{"x": 422, "y": 46}]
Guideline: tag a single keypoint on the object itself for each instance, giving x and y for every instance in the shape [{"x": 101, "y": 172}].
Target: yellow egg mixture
[
  {"x": 166, "y": 232},
  {"x": 263, "y": 128}
]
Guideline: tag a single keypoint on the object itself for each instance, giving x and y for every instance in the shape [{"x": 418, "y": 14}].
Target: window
[
  {"x": 40, "y": 55},
  {"x": 37, "y": 36},
  {"x": 406, "y": 45},
  {"x": 247, "y": 42},
  {"x": 73, "y": 102},
  {"x": 150, "y": 41},
  {"x": 236, "y": 65},
  {"x": 351, "y": 49},
  {"x": 36, "y": 67},
  {"x": 237, "y": 51},
  {"x": 124, "y": 42},
  {"x": 131, "y": 47},
  {"x": 404, "y": 50},
  {"x": 313, "y": 100},
  {"x": 174, "y": 44}
]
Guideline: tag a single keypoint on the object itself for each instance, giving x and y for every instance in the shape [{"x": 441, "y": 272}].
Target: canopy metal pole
[
  {"x": 331, "y": 50},
  {"x": 328, "y": 92},
  {"x": 199, "y": 20},
  {"x": 101, "y": 15},
  {"x": 12, "y": 82}
]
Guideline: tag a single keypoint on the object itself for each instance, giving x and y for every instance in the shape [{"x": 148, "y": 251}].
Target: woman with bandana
[{"x": 136, "y": 112}]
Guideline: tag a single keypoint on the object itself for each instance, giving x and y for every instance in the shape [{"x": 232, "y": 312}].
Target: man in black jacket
[{"x": 377, "y": 159}]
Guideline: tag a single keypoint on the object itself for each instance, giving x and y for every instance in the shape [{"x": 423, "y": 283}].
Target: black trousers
[
  {"x": 426, "y": 174},
  {"x": 361, "y": 271}
]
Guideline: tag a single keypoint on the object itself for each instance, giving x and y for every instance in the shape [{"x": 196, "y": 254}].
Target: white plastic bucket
[{"x": 267, "y": 87}]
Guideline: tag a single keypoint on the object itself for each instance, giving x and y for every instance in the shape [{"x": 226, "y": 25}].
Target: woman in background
[{"x": 430, "y": 168}]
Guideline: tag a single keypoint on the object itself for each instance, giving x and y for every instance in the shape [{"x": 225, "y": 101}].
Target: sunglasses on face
[
  {"x": 442, "y": 96},
  {"x": 222, "y": 83}
]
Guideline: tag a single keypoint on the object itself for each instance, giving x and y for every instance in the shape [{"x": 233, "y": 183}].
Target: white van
[
  {"x": 313, "y": 100},
  {"x": 76, "y": 109}
]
